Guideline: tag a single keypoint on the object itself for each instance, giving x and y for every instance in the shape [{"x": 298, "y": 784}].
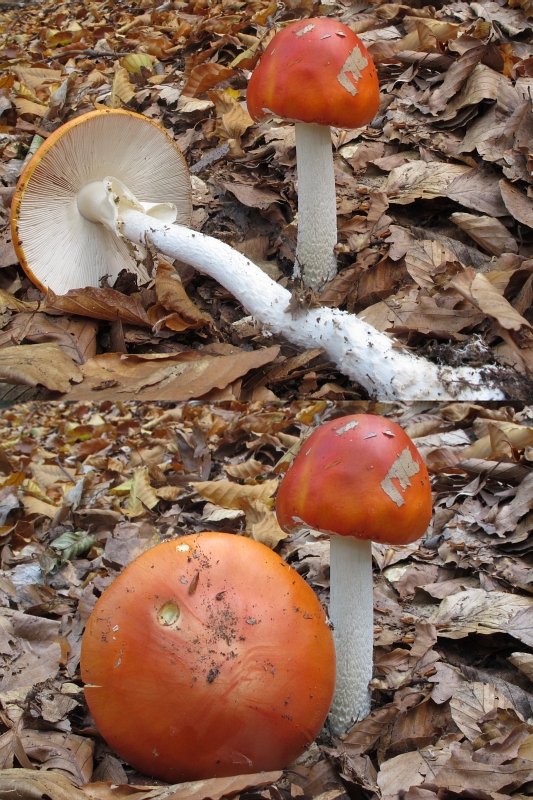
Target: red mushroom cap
[
  {"x": 358, "y": 476},
  {"x": 315, "y": 70},
  {"x": 208, "y": 656}
]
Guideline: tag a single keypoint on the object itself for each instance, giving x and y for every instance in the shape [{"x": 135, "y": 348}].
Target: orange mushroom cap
[
  {"x": 315, "y": 70},
  {"x": 208, "y": 656},
  {"x": 358, "y": 476}
]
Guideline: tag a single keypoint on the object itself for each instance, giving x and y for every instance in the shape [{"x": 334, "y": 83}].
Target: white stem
[
  {"x": 351, "y": 611},
  {"x": 317, "y": 206},
  {"x": 359, "y": 351}
]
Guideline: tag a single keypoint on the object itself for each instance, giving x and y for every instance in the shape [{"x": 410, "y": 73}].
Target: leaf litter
[
  {"x": 86, "y": 487},
  {"x": 435, "y": 197}
]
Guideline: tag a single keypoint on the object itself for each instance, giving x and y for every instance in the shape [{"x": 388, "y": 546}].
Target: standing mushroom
[
  {"x": 208, "y": 656},
  {"x": 318, "y": 73},
  {"x": 359, "y": 479}
]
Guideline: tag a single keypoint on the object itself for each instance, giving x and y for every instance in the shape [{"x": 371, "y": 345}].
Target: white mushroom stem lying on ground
[{"x": 358, "y": 350}]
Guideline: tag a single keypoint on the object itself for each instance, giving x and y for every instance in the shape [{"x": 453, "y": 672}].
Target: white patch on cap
[
  {"x": 326, "y": 36},
  {"x": 403, "y": 468},
  {"x": 340, "y": 33},
  {"x": 307, "y": 29},
  {"x": 370, "y": 435},
  {"x": 389, "y": 433},
  {"x": 354, "y": 64},
  {"x": 348, "y": 427}
]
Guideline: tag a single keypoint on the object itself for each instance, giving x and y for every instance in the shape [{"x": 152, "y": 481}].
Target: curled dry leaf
[
  {"x": 28, "y": 784},
  {"x": 106, "y": 304}
]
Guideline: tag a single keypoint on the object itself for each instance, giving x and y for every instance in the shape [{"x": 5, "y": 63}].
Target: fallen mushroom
[
  {"x": 208, "y": 656},
  {"x": 358, "y": 479},
  {"x": 54, "y": 212},
  {"x": 318, "y": 73}
]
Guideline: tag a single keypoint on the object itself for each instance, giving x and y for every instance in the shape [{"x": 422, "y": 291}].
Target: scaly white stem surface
[
  {"x": 317, "y": 205},
  {"x": 351, "y": 611},
  {"x": 359, "y": 351}
]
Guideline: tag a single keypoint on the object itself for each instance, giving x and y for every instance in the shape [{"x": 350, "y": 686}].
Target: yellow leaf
[
  {"x": 134, "y": 62},
  {"x": 230, "y": 495},
  {"x": 122, "y": 88},
  {"x": 261, "y": 524}
]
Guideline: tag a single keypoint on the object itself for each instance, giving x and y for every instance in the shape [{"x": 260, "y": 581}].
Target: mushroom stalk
[
  {"x": 351, "y": 612},
  {"x": 317, "y": 205},
  {"x": 359, "y": 351}
]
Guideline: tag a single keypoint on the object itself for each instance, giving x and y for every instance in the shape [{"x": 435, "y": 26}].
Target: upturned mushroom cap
[
  {"x": 208, "y": 656},
  {"x": 57, "y": 246},
  {"x": 315, "y": 70},
  {"x": 358, "y": 476}
]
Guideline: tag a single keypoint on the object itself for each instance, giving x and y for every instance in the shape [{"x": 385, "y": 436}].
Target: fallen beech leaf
[
  {"x": 478, "y": 611},
  {"x": 489, "y": 300},
  {"x": 106, "y": 304},
  {"x": 141, "y": 494},
  {"x": 524, "y": 662},
  {"x": 178, "y": 376},
  {"x": 232, "y": 119},
  {"x": 478, "y": 189},
  {"x": 210, "y": 789},
  {"x": 418, "y": 179},
  {"x": 204, "y": 76},
  {"x": 261, "y": 523},
  {"x": 64, "y": 752},
  {"x": 471, "y": 702},
  {"x": 229, "y": 495},
  {"x": 519, "y": 205},
  {"x": 28, "y": 784},
  {"x": 173, "y": 297},
  {"x": 487, "y": 231},
  {"x": 248, "y": 469},
  {"x": 38, "y": 364}
]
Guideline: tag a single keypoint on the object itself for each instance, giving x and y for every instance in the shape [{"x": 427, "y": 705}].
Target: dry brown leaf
[
  {"x": 478, "y": 189},
  {"x": 205, "y": 76},
  {"x": 210, "y": 789},
  {"x": 489, "y": 300},
  {"x": 232, "y": 119},
  {"x": 524, "y": 662},
  {"x": 105, "y": 304},
  {"x": 141, "y": 494},
  {"x": 478, "y": 611},
  {"x": 28, "y": 784},
  {"x": 179, "y": 376},
  {"x": 425, "y": 259},
  {"x": 261, "y": 522},
  {"x": 471, "y": 702},
  {"x": 61, "y": 752},
  {"x": 39, "y": 364},
  {"x": 247, "y": 469},
  {"x": 420, "y": 179},
  {"x": 519, "y": 205},
  {"x": 230, "y": 495},
  {"x": 121, "y": 88},
  {"x": 173, "y": 298},
  {"x": 488, "y": 232}
]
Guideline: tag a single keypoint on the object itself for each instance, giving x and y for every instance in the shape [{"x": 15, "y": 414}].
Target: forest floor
[
  {"x": 87, "y": 487},
  {"x": 435, "y": 197}
]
